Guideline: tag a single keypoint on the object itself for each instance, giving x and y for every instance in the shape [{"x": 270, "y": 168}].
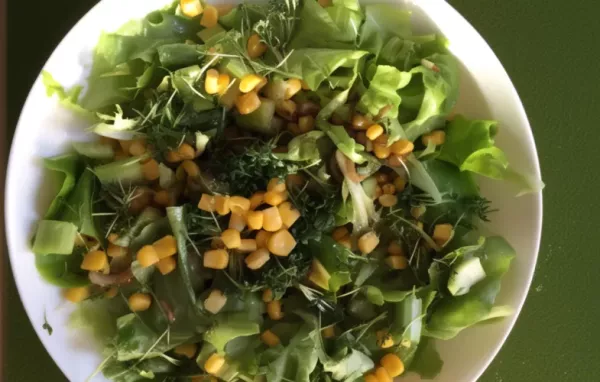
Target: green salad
[{"x": 275, "y": 192}]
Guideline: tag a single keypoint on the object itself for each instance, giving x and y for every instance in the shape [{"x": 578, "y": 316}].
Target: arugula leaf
[{"x": 382, "y": 91}]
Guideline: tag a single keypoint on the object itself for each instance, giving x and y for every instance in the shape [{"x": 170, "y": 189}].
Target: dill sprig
[{"x": 277, "y": 28}]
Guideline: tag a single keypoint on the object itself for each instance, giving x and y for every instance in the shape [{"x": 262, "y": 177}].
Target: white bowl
[{"x": 45, "y": 129}]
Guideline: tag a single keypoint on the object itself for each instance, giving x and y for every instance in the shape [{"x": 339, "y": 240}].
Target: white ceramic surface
[{"x": 45, "y": 129}]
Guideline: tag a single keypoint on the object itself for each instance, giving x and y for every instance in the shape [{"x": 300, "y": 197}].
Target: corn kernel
[
  {"x": 150, "y": 170},
  {"x": 247, "y": 245},
  {"x": 249, "y": 82},
  {"x": 395, "y": 161},
  {"x": 147, "y": 256},
  {"x": 77, "y": 294},
  {"x": 191, "y": 168},
  {"x": 370, "y": 378},
  {"x": 368, "y": 242},
  {"x": 223, "y": 82},
  {"x": 281, "y": 243},
  {"x": 215, "y": 301},
  {"x": 328, "y": 332},
  {"x": 392, "y": 364},
  {"x": 163, "y": 199},
  {"x": 237, "y": 222},
  {"x": 186, "y": 151},
  {"x": 115, "y": 250},
  {"x": 211, "y": 81},
  {"x": 111, "y": 292},
  {"x": 360, "y": 122},
  {"x": 387, "y": 200},
  {"x": 381, "y": 151},
  {"x": 382, "y": 178},
  {"x": 442, "y": 233},
  {"x": 167, "y": 265},
  {"x": 389, "y": 189},
  {"x": 113, "y": 237},
  {"x": 345, "y": 242},
  {"x": 267, "y": 295},
  {"x": 272, "y": 220},
  {"x": 274, "y": 310},
  {"x": 214, "y": 363},
  {"x": 288, "y": 214},
  {"x": 207, "y": 203},
  {"x": 437, "y": 137},
  {"x": 384, "y": 339},
  {"x": 210, "y": 17},
  {"x": 276, "y": 185},
  {"x": 256, "y": 47},
  {"x": 257, "y": 199},
  {"x": 293, "y": 128},
  {"x": 269, "y": 338},
  {"x": 222, "y": 205},
  {"x": 257, "y": 259},
  {"x": 165, "y": 247},
  {"x": 374, "y": 131},
  {"x": 382, "y": 375},
  {"x": 418, "y": 211},
  {"x": 340, "y": 233},
  {"x": 254, "y": 219},
  {"x": 239, "y": 205},
  {"x": 216, "y": 259},
  {"x": 262, "y": 238},
  {"x": 191, "y": 8},
  {"x": 395, "y": 249},
  {"x": 274, "y": 198},
  {"x": 186, "y": 350},
  {"x": 402, "y": 147},
  {"x": 397, "y": 262},
  {"x": 137, "y": 147},
  {"x": 293, "y": 86},
  {"x": 138, "y": 302},
  {"x": 306, "y": 123},
  {"x": 94, "y": 261},
  {"x": 400, "y": 184},
  {"x": 231, "y": 238}
]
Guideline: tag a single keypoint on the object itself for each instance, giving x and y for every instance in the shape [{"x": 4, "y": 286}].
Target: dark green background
[{"x": 551, "y": 53}]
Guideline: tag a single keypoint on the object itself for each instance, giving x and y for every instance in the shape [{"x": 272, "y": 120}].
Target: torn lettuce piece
[
  {"x": 125, "y": 171},
  {"x": 54, "y": 237},
  {"x": 67, "y": 168},
  {"x": 68, "y": 99},
  {"x": 382, "y": 91},
  {"x": 382, "y": 22},
  {"x": 116, "y": 126},
  {"x": 189, "y": 84},
  {"x": 296, "y": 361},
  {"x": 95, "y": 150},
  {"x": 303, "y": 148},
  {"x": 228, "y": 327}
]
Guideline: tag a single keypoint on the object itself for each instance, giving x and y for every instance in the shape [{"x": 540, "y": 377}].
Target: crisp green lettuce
[
  {"x": 303, "y": 148},
  {"x": 228, "y": 327},
  {"x": 382, "y": 91},
  {"x": 54, "y": 237},
  {"x": 116, "y": 127},
  {"x": 296, "y": 361},
  {"x": 67, "y": 168},
  {"x": 382, "y": 22},
  {"x": 68, "y": 99},
  {"x": 189, "y": 85}
]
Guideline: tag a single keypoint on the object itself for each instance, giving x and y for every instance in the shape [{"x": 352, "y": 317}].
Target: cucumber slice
[{"x": 466, "y": 274}]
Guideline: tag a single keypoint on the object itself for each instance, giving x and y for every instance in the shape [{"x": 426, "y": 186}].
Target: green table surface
[{"x": 550, "y": 50}]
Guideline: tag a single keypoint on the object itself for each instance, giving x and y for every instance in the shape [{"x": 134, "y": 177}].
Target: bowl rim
[{"x": 538, "y": 196}]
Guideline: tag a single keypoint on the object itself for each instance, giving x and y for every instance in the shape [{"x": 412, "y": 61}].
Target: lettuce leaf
[
  {"x": 180, "y": 55},
  {"x": 296, "y": 361},
  {"x": 382, "y": 91},
  {"x": 382, "y": 22},
  {"x": 67, "y": 168},
  {"x": 189, "y": 84},
  {"x": 303, "y": 148},
  {"x": 228, "y": 327},
  {"x": 67, "y": 99}
]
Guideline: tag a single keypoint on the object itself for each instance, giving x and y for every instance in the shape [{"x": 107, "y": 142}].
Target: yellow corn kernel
[
  {"x": 186, "y": 350},
  {"x": 281, "y": 243},
  {"x": 387, "y": 200},
  {"x": 186, "y": 151},
  {"x": 255, "y": 47},
  {"x": 400, "y": 184},
  {"x": 360, "y": 122},
  {"x": 207, "y": 203},
  {"x": 222, "y": 205},
  {"x": 257, "y": 259},
  {"x": 402, "y": 147},
  {"x": 125, "y": 146},
  {"x": 239, "y": 205},
  {"x": 223, "y": 82},
  {"x": 345, "y": 242},
  {"x": 237, "y": 222},
  {"x": 94, "y": 261},
  {"x": 306, "y": 123},
  {"x": 165, "y": 247},
  {"x": 247, "y": 245},
  {"x": 374, "y": 131},
  {"x": 395, "y": 249},
  {"x": 191, "y": 168},
  {"x": 276, "y": 185},
  {"x": 210, "y": 17},
  {"x": 115, "y": 250},
  {"x": 150, "y": 170},
  {"x": 231, "y": 238},
  {"x": 173, "y": 157},
  {"x": 257, "y": 199},
  {"x": 167, "y": 265},
  {"x": 249, "y": 82},
  {"x": 191, "y": 8},
  {"x": 382, "y": 178},
  {"x": 368, "y": 242},
  {"x": 267, "y": 295},
  {"x": 77, "y": 294},
  {"x": 215, "y": 301},
  {"x": 389, "y": 189},
  {"x": 442, "y": 233},
  {"x": 272, "y": 220},
  {"x": 274, "y": 198},
  {"x": 262, "y": 238},
  {"x": 113, "y": 237},
  {"x": 254, "y": 219},
  {"x": 111, "y": 292},
  {"x": 147, "y": 256},
  {"x": 269, "y": 338},
  {"x": 418, "y": 211},
  {"x": 328, "y": 332},
  {"x": 382, "y": 375},
  {"x": 214, "y": 363},
  {"x": 395, "y": 161},
  {"x": 397, "y": 262},
  {"x": 211, "y": 81},
  {"x": 292, "y": 87},
  {"x": 274, "y": 310},
  {"x": 384, "y": 339},
  {"x": 216, "y": 259},
  {"x": 392, "y": 364},
  {"x": 437, "y": 137},
  {"x": 163, "y": 198},
  {"x": 381, "y": 151},
  {"x": 138, "y": 302},
  {"x": 137, "y": 147},
  {"x": 288, "y": 214},
  {"x": 340, "y": 233},
  {"x": 370, "y": 378}
]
